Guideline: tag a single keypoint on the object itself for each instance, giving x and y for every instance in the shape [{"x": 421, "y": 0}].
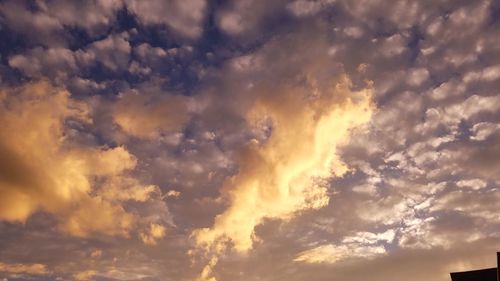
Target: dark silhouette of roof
[{"x": 488, "y": 274}]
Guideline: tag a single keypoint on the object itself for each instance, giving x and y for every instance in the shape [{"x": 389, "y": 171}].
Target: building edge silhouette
[{"x": 487, "y": 274}]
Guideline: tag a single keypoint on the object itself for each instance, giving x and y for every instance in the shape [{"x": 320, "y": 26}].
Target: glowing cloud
[
  {"x": 207, "y": 271},
  {"x": 34, "y": 269},
  {"x": 43, "y": 171},
  {"x": 155, "y": 232},
  {"x": 84, "y": 275},
  {"x": 332, "y": 253},
  {"x": 286, "y": 173},
  {"x": 360, "y": 245}
]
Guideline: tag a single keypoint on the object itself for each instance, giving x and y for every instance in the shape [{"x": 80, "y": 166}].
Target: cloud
[
  {"x": 96, "y": 254},
  {"x": 332, "y": 253},
  {"x": 45, "y": 171},
  {"x": 45, "y": 21},
  {"x": 448, "y": 89},
  {"x": 247, "y": 18},
  {"x": 155, "y": 232},
  {"x": 173, "y": 193},
  {"x": 38, "y": 27},
  {"x": 301, "y": 8},
  {"x": 472, "y": 183},
  {"x": 18, "y": 268},
  {"x": 184, "y": 17},
  {"x": 360, "y": 245},
  {"x": 417, "y": 76},
  {"x": 260, "y": 86},
  {"x": 53, "y": 62},
  {"x": 93, "y": 17},
  {"x": 61, "y": 64},
  {"x": 207, "y": 271},
  {"x": 112, "y": 52},
  {"x": 483, "y": 130},
  {"x": 147, "y": 116},
  {"x": 283, "y": 174},
  {"x": 84, "y": 275}
]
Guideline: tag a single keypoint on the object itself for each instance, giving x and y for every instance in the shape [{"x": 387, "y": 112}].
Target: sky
[{"x": 196, "y": 140}]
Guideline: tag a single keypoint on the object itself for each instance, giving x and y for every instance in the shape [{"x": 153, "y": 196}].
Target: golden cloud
[
  {"x": 335, "y": 253},
  {"x": 207, "y": 271},
  {"x": 155, "y": 232},
  {"x": 17, "y": 268},
  {"x": 84, "y": 275},
  {"x": 286, "y": 173},
  {"x": 42, "y": 170}
]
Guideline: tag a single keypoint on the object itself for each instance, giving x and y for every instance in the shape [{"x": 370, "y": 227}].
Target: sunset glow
[{"x": 197, "y": 140}]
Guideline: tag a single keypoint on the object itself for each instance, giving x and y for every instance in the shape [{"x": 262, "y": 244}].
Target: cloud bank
[{"x": 248, "y": 140}]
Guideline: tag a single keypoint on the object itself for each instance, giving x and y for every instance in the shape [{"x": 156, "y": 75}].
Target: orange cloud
[
  {"x": 155, "y": 232},
  {"x": 35, "y": 269},
  {"x": 286, "y": 173},
  {"x": 84, "y": 275},
  {"x": 207, "y": 271},
  {"x": 42, "y": 170}
]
